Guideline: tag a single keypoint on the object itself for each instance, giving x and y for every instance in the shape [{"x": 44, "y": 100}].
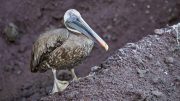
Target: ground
[{"x": 118, "y": 22}]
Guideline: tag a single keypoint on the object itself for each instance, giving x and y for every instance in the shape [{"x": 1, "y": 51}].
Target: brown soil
[{"x": 119, "y": 22}]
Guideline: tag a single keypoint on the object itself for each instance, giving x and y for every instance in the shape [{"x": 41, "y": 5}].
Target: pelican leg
[
  {"x": 75, "y": 78},
  {"x": 58, "y": 85}
]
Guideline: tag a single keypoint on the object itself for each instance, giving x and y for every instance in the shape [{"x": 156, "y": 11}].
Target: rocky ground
[
  {"x": 117, "y": 21},
  {"x": 148, "y": 70}
]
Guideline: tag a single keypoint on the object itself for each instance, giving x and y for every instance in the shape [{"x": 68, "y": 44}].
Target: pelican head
[{"x": 75, "y": 23}]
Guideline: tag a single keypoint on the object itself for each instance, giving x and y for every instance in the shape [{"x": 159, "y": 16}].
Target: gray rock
[
  {"x": 141, "y": 72},
  {"x": 169, "y": 60},
  {"x": 157, "y": 93},
  {"x": 11, "y": 32},
  {"x": 155, "y": 79},
  {"x": 95, "y": 68},
  {"x": 18, "y": 72}
]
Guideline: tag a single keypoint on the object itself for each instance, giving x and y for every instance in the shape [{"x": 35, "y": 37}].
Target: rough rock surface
[{"x": 137, "y": 72}]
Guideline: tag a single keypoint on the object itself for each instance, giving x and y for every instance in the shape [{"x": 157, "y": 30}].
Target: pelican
[{"x": 64, "y": 48}]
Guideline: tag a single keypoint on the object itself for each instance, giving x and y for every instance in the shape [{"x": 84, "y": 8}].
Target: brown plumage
[{"x": 59, "y": 49}]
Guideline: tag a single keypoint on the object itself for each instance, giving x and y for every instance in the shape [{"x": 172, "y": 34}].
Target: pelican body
[{"x": 64, "y": 48}]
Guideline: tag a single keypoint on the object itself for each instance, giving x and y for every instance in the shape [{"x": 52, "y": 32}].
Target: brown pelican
[{"x": 64, "y": 48}]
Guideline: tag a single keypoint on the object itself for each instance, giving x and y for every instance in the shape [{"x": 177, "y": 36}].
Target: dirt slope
[{"x": 144, "y": 71}]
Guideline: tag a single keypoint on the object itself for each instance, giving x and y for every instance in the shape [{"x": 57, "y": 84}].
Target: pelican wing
[{"x": 45, "y": 44}]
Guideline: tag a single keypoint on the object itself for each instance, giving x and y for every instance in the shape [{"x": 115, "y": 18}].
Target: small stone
[
  {"x": 18, "y": 72},
  {"x": 155, "y": 79},
  {"x": 130, "y": 86},
  {"x": 148, "y": 6},
  {"x": 147, "y": 11},
  {"x": 11, "y": 32},
  {"x": 149, "y": 57},
  {"x": 109, "y": 27},
  {"x": 157, "y": 93},
  {"x": 141, "y": 72},
  {"x": 159, "y": 31},
  {"x": 169, "y": 60},
  {"x": 95, "y": 68},
  {"x": 132, "y": 45}
]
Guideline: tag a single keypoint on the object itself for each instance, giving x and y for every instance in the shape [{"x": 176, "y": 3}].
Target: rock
[
  {"x": 148, "y": 6},
  {"x": 109, "y": 27},
  {"x": 18, "y": 72},
  {"x": 169, "y": 60},
  {"x": 149, "y": 56},
  {"x": 11, "y": 32},
  {"x": 147, "y": 12},
  {"x": 157, "y": 93},
  {"x": 130, "y": 86},
  {"x": 141, "y": 72},
  {"x": 95, "y": 68},
  {"x": 159, "y": 31},
  {"x": 155, "y": 79}
]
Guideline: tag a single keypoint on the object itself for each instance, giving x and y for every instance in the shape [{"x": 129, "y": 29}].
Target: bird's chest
[{"x": 72, "y": 52}]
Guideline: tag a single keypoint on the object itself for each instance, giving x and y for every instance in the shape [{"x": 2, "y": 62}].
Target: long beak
[{"x": 84, "y": 28}]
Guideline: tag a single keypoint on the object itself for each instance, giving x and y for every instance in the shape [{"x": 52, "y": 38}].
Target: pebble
[
  {"x": 157, "y": 93},
  {"x": 169, "y": 60},
  {"x": 155, "y": 79},
  {"x": 95, "y": 68},
  {"x": 141, "y": 72},
  {"x": 132, "y": 45},
  {"x": 11, "y": 32},
  {"x": 130, "y": 86},
  {"x": 109, "y": 27},
  {"x": 159, "y": 31},
  {"x": 18, "y": 72},
  {"x": 147, "y": 11}
]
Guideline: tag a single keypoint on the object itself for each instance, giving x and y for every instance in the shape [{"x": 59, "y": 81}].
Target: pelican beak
[{"x": 80, "y": 25}]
